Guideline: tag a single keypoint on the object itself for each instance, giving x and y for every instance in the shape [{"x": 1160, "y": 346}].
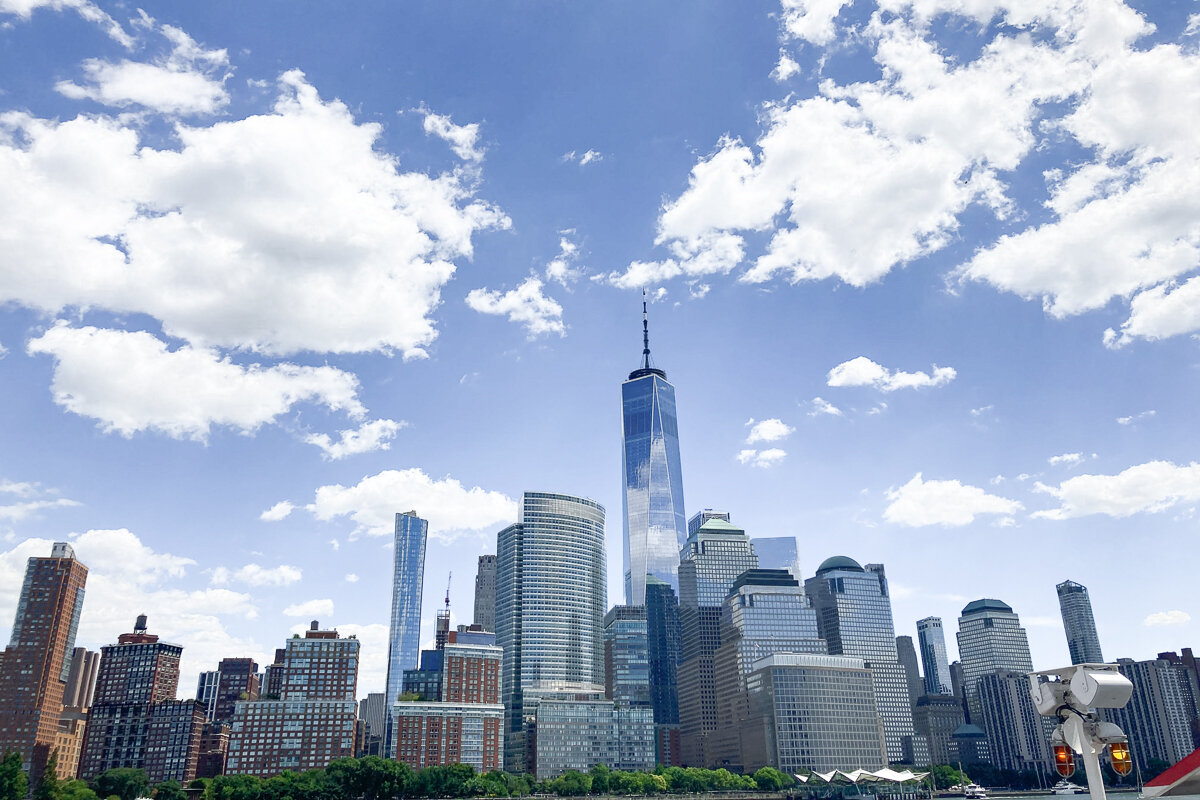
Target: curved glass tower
[
  {"x": 404, "y": 635},
  {"x": 655, "y": 525}
]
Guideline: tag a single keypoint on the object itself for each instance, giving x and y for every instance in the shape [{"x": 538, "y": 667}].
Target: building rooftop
[
  {"x": 717, "y": 525},
  {"x": 840, "y": 562},
  {"x": 986, "y": 604},
  {"x": 764, "y": 577}
]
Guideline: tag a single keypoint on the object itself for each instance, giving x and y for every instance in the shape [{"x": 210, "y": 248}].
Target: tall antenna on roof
[{"x": 645, "y": 332}]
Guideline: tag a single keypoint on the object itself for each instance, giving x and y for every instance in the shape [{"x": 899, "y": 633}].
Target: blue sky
[{"x": 925, "y": 275}]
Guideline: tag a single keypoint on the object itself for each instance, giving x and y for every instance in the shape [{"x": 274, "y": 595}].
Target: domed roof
[{"x": 840, "y": 562}]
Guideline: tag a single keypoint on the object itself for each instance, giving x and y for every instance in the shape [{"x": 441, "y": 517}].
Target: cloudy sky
[{"x": 925, "y": 273}]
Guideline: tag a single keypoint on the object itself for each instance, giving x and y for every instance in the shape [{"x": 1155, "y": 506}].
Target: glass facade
[
  {"x": 408, "y": 581},
  {"x": 932, "y": 641},
  {"x": 1080, "y": 625},
  {"x": 662, "y": 625},
  {"x": 778, "y": 552},
  {"x": 854, "y": 613},
  {"x": 990, "y": 638},
  {"x": 653, "y": 487}
]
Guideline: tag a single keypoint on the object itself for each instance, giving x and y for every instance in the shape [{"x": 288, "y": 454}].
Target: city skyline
[{"x": 859, "y": 369}]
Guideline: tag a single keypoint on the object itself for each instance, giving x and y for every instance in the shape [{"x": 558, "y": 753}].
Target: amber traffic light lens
[{"x": 1064, "y": 760}]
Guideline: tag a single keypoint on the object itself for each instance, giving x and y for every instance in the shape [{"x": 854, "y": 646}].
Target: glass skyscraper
[
  {"x": 778, "y": 552},
  {"x": 408, "y": 581},
  {"x": 854, "y": 612},
  {"x": 990, "y": 638},
  {"x": 550, "y": 601},
  {"x": 1076, "y": 607},
  {"x": 653, "y": 487},
  {"x": 932, "y": 640}
]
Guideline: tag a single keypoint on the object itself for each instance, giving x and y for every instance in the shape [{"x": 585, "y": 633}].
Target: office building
[
  {"x": 627, "y": 683},
  {"x": 937, "y": 717},
  {"x": 485, "y": 593},
  {"x": 1078, "y": 622},
  {"x": 36, "y": 663},
  {"x": 373, "y": 713},
  {"x": 206, "y": 691},
  {"x": 766, "y": 612},
  {"x": 854, "y": 615},
  {"x": 715, "y": 554},
  {"x": 312, "y": 722},
  {"x": 1161, "y": 715},
  {"x": 408, "y": 582},
  {"x": 990, "y": 638},
  {"x": 663, "y": 653},
  {"x": 1018, "y": 737},
  {"x": 425, "y": 683},
  {"x": 813, "y": 712},
  {"x": 932, "y": 641},
  {"x": 570, "y": 727},
  {"x": 969, "y": 745},
  {"x": 912, "y": 673},
  {"x": 550, "y": 602},
  {"x": 778, "y": 552},
  {"x": 135, "y": 720},
  {"x": 652, "y": 480}
]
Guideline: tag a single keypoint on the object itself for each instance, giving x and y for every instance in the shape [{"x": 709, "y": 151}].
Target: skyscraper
[
  {"x": 1018, "y": 736},
  {"x": 408, "y": 581},
  {"x": 932, "y": 641},
  {"x": 238, "y": 681},
  {"x": 854, "y": 613},
  {"x": 1076, "y": 607},
  {"x": 990, "y": 638},
  {"x": 485, "y": 593},
  {"x": 778, "y": 552},
  {"x": 550, "y": 602},
  {"x": 627, "y": 683},
  {"x": 653, "y": 485},
  {"x": 912, "y": 673},
  {"x": 1161, "y": 714},
  {"x": 715, "y": 554},
  {"x": 37, "y": 661}
]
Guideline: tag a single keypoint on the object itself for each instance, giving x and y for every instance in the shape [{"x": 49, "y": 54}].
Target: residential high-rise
[
  {"x": 37, "y": 661},
  {"x": 81, "y": 678},
  {"x": 912, "y": 673},
  {"x": 372, "y": 712},
  {"x": 778, "y": 552},
  {"x": 485, "y": 593},
  {"x": 408, "y": 582},
  {"x": 653, "y": 485},
  {"x": 550, "y": 602},
  {"x": 765, "y": 613},
  {"x": 990, "y": 638},
  {"x": 77, "y": 699},
  {"x": 854, "y": 613},
  {"x": 1018, "y": 737},
  {"x": 135, "y": 720},
  {"x": 1160, "y": 716},
  {"x": 715, "y": 554},
  {"x": 238, "y": 680},
  {"x": 1080, "y": 625},
  {"x": 932, "y": 642},
  {"x": 312, "y": 722}
]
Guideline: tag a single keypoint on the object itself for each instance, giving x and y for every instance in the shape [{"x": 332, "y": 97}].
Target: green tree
[
  {"x": 769, "y": 779},
  {"x": 571, "y": 783},
  {"x": 169, "y": 790},
  {"x": 445, "y": 781},
  {"x": 236, "y": 787},
  {"x": 77, "y": 790},
  {"x": 1154, "y": 767},
  {"x": 600, "y": 774},
  {"x": 13, "y": 783},
  {"x": 126, "y": 783},
  {"x": 49, "y": 787}
]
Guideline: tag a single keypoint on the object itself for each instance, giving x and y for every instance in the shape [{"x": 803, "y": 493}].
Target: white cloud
[
  {"x": 822, "y": 406},
  {"x": 463, "y": 139},
  {"x": 785, "y": 68},
  {"x": 370, "y": 436},
  {"x": 582, "y": 159},
  {"x": 188, "y": 80},
  {"x": 15, "y": 512},
  {"x": 862, "y": 371},
  {"x": 131, "y": 382},
  {"x": 562, "y": 268},
  {"x": 979, "y": 412},
  {"x": 277, "y": 512},
  {"x": 919, "y": 503},
  {"x": 1070, "y": 459},
  {"x": 1193, "y": 25},
  {"x": 526, "y": 304},
  {"x": 706, "y": 255},
  {"x": 19, "y": 488},
  {"x": 1160, "y": 618},
  {"x": 3, "y": 351},
  {"x": 450, "y": 509},
  {"x": 768, "y": 430},
  {"x": 351, "y": 577},
  {"x": 811, "y": 20},
  {"x": 761, "y": 458},
  {"x": 255, "y": 575},
  {"x": 1136, "y": 417},
  {"x": 87, "y": 10},
  {"x": 1146, "y": 488},
  {"x": 282, "y": 232},
  {"x": 310, "y": 609}
]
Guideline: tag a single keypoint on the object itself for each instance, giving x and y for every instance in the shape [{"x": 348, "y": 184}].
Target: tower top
[{"x": 646, "y": 369}]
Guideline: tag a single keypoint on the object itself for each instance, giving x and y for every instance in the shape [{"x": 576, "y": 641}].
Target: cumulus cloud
[
  {"x": 87, "y": 10},
  {"x": 820, "y": 406},
  {"x": 562, "y": 268},
  {"x": 370, "y": 436},
  {"x": 1167, "y": 618},
  {"x": 278, "y": 233},
  {"x": 920, "y": 503},
  {"x": 527, "y": 305},
  {"x": 310, "y": 609},
  {"x": 761, "y": 458},
  {"x": 450, "y": 508},
  {"x": 256, "y": 575},
  {"x": 768, "y": 430},
  {"x": 463, "y": 139},
  {"x": 811, "y": 20},
  {"x": 1070, "y": 459},
  {"x": 785, "y": 68},
  {"x": 862, "y": 371},
  {"x": 1146, "y": 488},
  {"x": 131, "y": 382},
  {"x": 351, "y": 577},
  {"x": 33, "y": 498},
  {"x": 187, "y": 80},
  {"x": 279, "y": 511}
]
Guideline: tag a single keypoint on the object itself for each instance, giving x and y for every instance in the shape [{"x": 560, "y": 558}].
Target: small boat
[
  {"x": 975, "y": 792},
  {"x": 1066, "y": 787}
]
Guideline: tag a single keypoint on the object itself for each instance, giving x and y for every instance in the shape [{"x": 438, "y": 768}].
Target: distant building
[
  {"x": 425, "y": 683},
  {"x": 854, "y": 612},
  {"x": 35, "y": 665},
  {"x": 990, "y": 638},
  {"x": 135, "y": 720},
  {"x": 238, "y": 680},
  {"x": 715, "y": 554},
  {"x": 273, "y": 675},
  {"x": 206, "y": 692},
  {"x": 627, "y": 683},
  {"x": 931, "y": 641},
  {"x": 812, "y": 712},
  {"x": 408, "y": 583},
  {"x": 77, "y": 699},
  {"x": 912, "y": 673},
  {"x": 663, "y": 652},
  {"x": 1018, "y": 737},
  {"x": 373, "y": 713},
  {"x": 778, "y": 552},
  {"x": 485, "y": 593},
  {"x": 1080, "y": 625},
  {"x": 969, "y": 745},
  {"x": 937, "y": 717},
  {"x": 1186, "y": 661},
  {"x": 550, "y": 602},
  {"x": 1161, "y": 715},
  {"x": 312, "y": 722},
  {"x": 81, "y": 678},
  {"x": 570, "y": 727},
  {"x": 214, "y": 748}
]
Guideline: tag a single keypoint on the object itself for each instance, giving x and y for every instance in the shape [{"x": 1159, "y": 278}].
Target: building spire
[{"x": 645, "y": 333}]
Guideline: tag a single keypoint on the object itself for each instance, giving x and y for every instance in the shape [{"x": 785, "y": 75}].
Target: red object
[{"x": 1183, "y": 778}]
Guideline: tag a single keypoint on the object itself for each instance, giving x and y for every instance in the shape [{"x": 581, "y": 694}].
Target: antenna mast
[{"x": 645, "y": 332}]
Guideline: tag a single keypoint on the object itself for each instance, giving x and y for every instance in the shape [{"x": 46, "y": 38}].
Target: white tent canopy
[{"x": 865, "y": 776}]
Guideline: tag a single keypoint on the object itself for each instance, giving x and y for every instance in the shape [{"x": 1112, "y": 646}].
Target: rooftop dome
[{"x": 840, "y": 562}]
